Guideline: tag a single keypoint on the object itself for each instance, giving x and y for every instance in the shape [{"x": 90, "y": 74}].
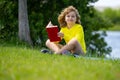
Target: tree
[{"x": 24, "y": 32}]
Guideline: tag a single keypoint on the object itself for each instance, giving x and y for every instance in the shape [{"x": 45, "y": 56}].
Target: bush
[{"x": 112, "y": 14}]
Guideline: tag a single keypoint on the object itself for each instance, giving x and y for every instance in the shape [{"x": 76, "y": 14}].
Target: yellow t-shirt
[{"x": 75, "y": 32}]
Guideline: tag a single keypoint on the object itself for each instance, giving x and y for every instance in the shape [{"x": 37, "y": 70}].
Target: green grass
[{"x": 22, "y": 63}]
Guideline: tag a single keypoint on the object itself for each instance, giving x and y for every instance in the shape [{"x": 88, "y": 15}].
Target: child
[{"x": 71, "y": 31}]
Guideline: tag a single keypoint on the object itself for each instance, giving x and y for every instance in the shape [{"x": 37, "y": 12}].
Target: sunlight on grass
[{"x": 19, "y": 63}]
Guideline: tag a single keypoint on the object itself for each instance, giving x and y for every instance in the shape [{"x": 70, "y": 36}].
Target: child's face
[{"x": 70, "y": 18}]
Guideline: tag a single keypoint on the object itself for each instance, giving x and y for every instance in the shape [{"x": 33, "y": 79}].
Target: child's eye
[
  {"x": 68, "y": 16},
  {"x": 73, "y": 16}
]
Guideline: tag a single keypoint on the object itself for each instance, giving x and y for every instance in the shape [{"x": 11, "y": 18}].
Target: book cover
[{"x": 52, "y": 31}]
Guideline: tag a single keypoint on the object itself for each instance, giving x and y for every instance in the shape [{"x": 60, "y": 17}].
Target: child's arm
[{"x": 79, "y": 34}]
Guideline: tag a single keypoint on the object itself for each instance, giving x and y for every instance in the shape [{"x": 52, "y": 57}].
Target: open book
[{"x": 52, "y": 31}]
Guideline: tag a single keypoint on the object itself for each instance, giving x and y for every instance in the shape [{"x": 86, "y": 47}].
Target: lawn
[{"x": 22, "y": 63}]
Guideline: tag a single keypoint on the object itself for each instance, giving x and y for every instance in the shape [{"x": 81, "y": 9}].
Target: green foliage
[
  {"x": 42, "y": 11},
  {"x": 112, "y": 14},
  {"x": 115, "y": 28},
  {"x": 95, "y": 40},
  {"x": 8, "y": 19}
]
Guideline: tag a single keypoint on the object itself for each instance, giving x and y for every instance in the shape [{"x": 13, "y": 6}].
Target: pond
[{"x": 113, "y": 40}]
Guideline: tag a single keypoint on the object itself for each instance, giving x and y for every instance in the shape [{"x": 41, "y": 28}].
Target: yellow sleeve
[
  {"x": 79, "y": 33},
  {"x": 80, "y": 37}
]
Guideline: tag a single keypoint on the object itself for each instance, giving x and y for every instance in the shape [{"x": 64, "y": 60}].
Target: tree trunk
[{"x": 24, "y": 32}]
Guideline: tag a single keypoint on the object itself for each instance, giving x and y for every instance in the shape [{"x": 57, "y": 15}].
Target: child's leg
[
  {"x": 53, "y": 46},
  {"x": 73, "y": 45}
]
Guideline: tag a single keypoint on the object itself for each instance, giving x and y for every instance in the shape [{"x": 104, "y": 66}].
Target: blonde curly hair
[{"x": 61, "y": 17}]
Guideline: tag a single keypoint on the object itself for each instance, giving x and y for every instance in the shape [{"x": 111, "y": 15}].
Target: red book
[{"x": 52, "y": 32}]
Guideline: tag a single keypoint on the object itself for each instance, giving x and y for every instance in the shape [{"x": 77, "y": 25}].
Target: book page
[{"x": 49, "y": 25}]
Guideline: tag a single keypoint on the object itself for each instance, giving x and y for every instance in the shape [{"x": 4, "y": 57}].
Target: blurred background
[{"x": 113, "y": 37}]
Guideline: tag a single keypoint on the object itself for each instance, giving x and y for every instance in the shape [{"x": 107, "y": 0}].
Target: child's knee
[
  {"x": 47, "y": 42},
  {"x": 74, "y": 41}
]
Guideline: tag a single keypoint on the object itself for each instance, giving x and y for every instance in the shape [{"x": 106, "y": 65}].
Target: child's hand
[{"x": 60, "y": 34}]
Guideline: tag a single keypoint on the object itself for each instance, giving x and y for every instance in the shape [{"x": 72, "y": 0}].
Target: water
[{"x": 113, "y": 40}]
